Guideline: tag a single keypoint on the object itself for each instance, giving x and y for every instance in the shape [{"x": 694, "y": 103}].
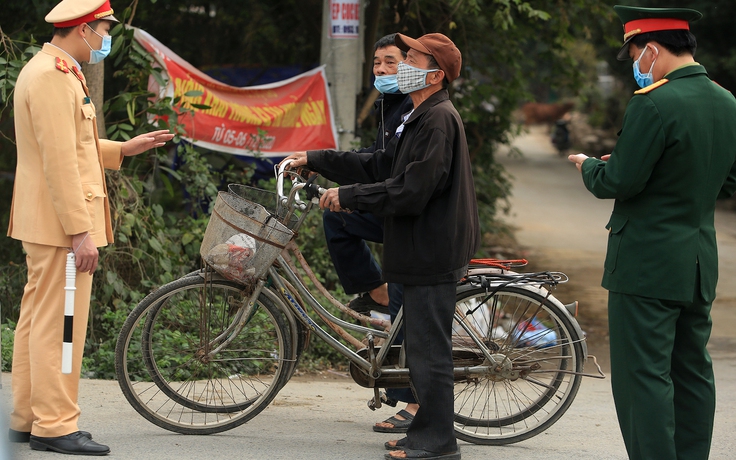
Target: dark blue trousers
[{"x": 346, "y": 235}]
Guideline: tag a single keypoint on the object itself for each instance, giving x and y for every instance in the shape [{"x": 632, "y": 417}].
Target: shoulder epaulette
[
  {"x": 61, "y": 65},
  {"x": 652, "y": 87},
  {"x": 77, "y": 73}
]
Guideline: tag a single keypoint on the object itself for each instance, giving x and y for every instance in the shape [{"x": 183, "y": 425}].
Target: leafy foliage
[
  {"x": 160, "y": 203},
  {"x": 14, "y": 54}
]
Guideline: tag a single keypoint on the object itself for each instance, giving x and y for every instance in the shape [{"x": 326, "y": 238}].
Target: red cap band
[
  {"x": 99, "y": 13},
  {"x": 642, "y": 26}
]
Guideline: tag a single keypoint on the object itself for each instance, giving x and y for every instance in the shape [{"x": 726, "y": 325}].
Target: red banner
[{"x": 274, "y": 119}]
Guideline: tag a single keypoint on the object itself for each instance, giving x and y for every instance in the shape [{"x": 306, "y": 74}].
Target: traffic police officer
[
  {"x": 675, "y": 156},
  {"x": 60, "y": 204}
]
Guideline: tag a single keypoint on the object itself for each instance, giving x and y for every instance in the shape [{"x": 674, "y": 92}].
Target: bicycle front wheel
[
  {"x": 184, "y": 364},
  {"x": 537, "y": 358}
]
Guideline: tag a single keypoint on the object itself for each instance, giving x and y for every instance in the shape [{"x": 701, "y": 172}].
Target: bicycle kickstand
[{"x": 379, "y": 397}]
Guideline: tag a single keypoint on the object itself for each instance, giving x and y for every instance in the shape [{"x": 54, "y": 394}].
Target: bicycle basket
[
  {"x": 242, "y": 239},
  {"x": 266, "y": 199}
]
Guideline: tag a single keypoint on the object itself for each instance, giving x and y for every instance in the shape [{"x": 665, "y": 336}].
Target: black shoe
[
  {"x": 364, "y": 303},
  {"x": 75, "y": 444},
  {"x": 25, "y": 436}
]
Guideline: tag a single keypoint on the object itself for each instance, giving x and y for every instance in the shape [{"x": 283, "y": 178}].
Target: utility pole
[
  {"x": 94, "y": 74},
  {"x": 342, "y": 55}
]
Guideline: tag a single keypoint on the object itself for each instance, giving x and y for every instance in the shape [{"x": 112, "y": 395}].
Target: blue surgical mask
[
  {"x": 386, "y": 84},
  {"x": 644, "y": 79},
  {"x": 412, "y": 79},
  {"x": 96, "y": 56}
]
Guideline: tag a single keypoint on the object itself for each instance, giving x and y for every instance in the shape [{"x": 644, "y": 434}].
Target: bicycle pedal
[
  {"x": 376, "y": 401},
  {"x": 391, "y": 402},
  {"x": 388, "y": 401}
]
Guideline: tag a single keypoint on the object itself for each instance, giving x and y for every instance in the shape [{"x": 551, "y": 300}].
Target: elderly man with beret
[
  {"x": 675, "y": 156},
  {"x": 59, "y": 205}
]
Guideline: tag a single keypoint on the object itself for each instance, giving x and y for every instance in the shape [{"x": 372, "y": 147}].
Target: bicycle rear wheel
[
  {"x": 536, "y": 349},
  {"x": 183, "y": 364}
]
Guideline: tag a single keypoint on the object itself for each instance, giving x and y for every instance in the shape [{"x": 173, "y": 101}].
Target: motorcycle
[{"x": 561, "y": 136}]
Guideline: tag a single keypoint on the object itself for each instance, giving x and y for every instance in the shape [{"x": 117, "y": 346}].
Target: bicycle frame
[
  {"x": 518, "y": 352},
  {"x": 294, "y": 297}
]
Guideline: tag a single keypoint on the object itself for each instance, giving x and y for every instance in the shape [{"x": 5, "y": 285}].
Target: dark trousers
[
  {"x": 396, "y": 296},
  {"x": 662, "y": 376},
  {"x": 429, "y": 311},
  {"x": 346, "y": 235}
]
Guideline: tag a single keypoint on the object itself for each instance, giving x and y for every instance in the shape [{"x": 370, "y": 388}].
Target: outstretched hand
[{"x": 145, "y": 142}]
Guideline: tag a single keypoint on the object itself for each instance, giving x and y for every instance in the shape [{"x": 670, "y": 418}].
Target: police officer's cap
[
  {"x": 642, "y": 20},
  {"x": 70, "y": 13}
]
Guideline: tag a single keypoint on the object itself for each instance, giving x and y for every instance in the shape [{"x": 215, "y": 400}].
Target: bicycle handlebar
[{"x": 313, "y": 190}]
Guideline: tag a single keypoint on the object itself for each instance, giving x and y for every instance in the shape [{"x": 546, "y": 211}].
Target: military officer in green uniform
[{"x": 675, "y": 156}]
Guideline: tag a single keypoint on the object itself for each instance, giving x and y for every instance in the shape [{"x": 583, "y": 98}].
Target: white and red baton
[{"x": 69, "y": 288}]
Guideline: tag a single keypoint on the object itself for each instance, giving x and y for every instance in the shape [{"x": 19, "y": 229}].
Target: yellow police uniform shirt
[{"x": 59, "y": 188}]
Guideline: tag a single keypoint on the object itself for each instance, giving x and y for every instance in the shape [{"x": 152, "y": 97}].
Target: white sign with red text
[{"x": 345, "y": 18}]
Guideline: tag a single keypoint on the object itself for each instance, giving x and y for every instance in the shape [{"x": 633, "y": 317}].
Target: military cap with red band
[
  {"x": 638, "y": 20},
  {"x": 70, "y": 13}
]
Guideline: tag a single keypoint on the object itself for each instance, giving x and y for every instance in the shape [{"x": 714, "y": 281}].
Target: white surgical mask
[{"x": 411, "y": 78}]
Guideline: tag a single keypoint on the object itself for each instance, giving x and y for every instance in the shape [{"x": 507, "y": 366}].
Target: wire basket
[
  {"x": 242, "y": 239},
  {"x": 267, "y": 199}
]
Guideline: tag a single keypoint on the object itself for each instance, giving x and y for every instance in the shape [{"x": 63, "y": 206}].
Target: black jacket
[{"x": 425, "y": 192}]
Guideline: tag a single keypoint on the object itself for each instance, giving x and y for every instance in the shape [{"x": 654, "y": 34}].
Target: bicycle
[{"x": 209, "y": 351}]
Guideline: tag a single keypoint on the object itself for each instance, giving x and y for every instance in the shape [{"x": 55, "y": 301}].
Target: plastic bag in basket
[{"x": 232, "y": 259}]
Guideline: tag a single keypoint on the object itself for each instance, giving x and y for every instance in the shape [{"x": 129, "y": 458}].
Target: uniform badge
[
  {"x": 77, "y": 73},
  {"x": 652, "y": 87},
  {"x": 61, "y": 65}
]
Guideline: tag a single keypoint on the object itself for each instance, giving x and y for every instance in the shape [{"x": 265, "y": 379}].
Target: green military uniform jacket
[{"x": 675, "y": 156}]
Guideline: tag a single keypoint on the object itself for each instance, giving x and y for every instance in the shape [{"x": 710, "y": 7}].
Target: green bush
[{"x": 7, "y": 333}]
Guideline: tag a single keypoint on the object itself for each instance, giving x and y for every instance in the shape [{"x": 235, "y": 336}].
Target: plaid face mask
[{"x": 412, "y": 79}]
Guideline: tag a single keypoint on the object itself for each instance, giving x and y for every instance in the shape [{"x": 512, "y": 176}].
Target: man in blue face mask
[
  {"x": 675, "y": 156},
  {"x": 59, "y": 206},
  {"x": 97, "y": 55}
]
